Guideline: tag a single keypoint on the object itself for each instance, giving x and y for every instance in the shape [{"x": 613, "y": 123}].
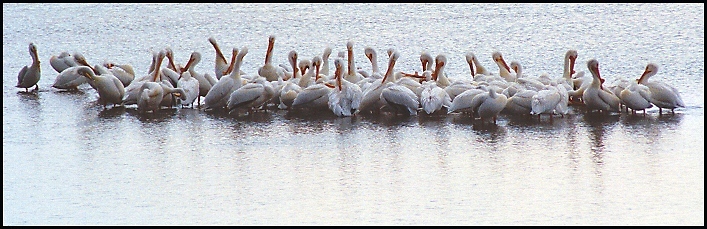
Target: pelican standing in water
[
  {"x": 663, "y": 95},
  {"x": 206, "y": 81},
  {"x": 70, "y": 79},
  {"x": 132, "y": 91},
  {"x": 251, "y": 96},
  {"x": 268, "y": 70},
  {"x": 220, "y": 93},
  {"x": 29, "y": 75},
  {"x": 110, "y": 89},
  {"x": 189, "y": 83},
  {"x": 636, "y": 97},
  {"x": 489, "y": 105},
  {"x": 595, "y": 97},
  {"x": 371, "y": 101},
  {"x": 345, "y": 97}
]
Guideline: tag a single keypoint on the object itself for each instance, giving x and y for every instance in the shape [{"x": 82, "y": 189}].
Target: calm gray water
[{"x": 67, "y": 161}]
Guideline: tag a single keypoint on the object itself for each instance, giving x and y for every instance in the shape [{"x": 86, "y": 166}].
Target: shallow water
[{"x": 69, "y": 161}]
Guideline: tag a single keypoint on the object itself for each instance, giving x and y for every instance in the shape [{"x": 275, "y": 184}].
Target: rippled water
[{"x": 69, "y": 161}]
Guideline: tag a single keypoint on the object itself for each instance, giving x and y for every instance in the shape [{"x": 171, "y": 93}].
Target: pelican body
[{"x": 29, "y": 75}]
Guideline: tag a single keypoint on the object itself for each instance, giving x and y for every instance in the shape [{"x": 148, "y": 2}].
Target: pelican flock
[{"x": 307, "y": 84}]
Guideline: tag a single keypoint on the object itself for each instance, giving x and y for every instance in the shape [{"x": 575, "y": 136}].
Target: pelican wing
[{"x": 245, "y": 95}]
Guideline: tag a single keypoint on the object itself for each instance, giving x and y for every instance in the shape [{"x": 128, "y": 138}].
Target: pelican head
[
  {"x": 194, "y": 59},
  {"x": 391, "y": 63},
  {"x": 33, "y": 49},
  {"x": 426, "y": 59},
  {"x": 317, "y": 62},
  {"x": 498, "y": 58},
  {"x": 304, "y": 65},
  {"x": 572, "y": 56},
  {"x": 86, "y": 71},
  {"x": 327, "y": 52},
  {"x": 292, "y": 57},
  {"x": 440, "y": 61},
  {"x": 369, "y": 52},
  {"x": 390, "y": 51},
  {"x": 271, "y": 44},
  {"x": 470, "y": 60},
  {"x": 651, "y": 69},
  {"x": 516, "y": 66}
]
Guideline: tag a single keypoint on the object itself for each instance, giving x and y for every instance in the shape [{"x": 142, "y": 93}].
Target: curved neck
[
  {"x": 566, "y": 70},
  {"x": 35, "y": 58},
  {"x": 374, "y": 62},
  {"x": 352, "y": 66}
]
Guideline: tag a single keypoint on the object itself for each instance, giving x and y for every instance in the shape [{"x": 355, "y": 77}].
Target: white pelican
[
  {"x": 325, "y": 61},
  {"x": 206, "y": 81},
  {"x": 110, "y": 89},
  {"x": 663, "y": 95},
  {"x": 251, "y": 96},
  {"x": 220, "y": 63},
  {"x": 488, "y": 106},
  {"x": 463, "y": 101},
  {"x": 288, "y": 90},
  {"x": 313, "y": 97},
  {"x": 461, "y": 85},
  {"x": 371, "y": 101},
  {"x": 319, "y": 76},
  {"x": 480, "y": 69},
  {"x": 63, "y": 61},
  {"x": 562, "y": 107},
  {"x": 433, "y": 98},
  {"x": 124, "y": 72},
  {"x": 172, "y": 94},
  {"x": 69, "y": 79},
  {"x": 568, "y": 69},
  {"x": 545, "y": 101},
  {"x": 191, "y": 88},
  {"x": 189, "y": 83},
  {"x": 636, "y": 97},
  {"x": 268, "y": 70},
  {"x": 308, "y": 74},
  {"x": 580, "y": 82},
  {"x": 150, "y": 97},
  {"x": 132, "y": 91},
  {"x": 170, "y": 75},
  {"x": 170, "y": 62},
  {"x": 503, "y": 68},
  {"x": 439, "y": 75},
  {"x": 595, "y": 97},
  {"x": 29, "y": 75},
  {"x": 151, "y": 93},
  {"x": 351, "y": 75},
  {"x": 520, "y": 103},
  {"x": 345, "y": 97},
  {"x": 427, "y": 61},
  {"x": 372, "y": 56},
  {"x": 219, "y": 94},
  {"x": 400, "y": 99}
]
